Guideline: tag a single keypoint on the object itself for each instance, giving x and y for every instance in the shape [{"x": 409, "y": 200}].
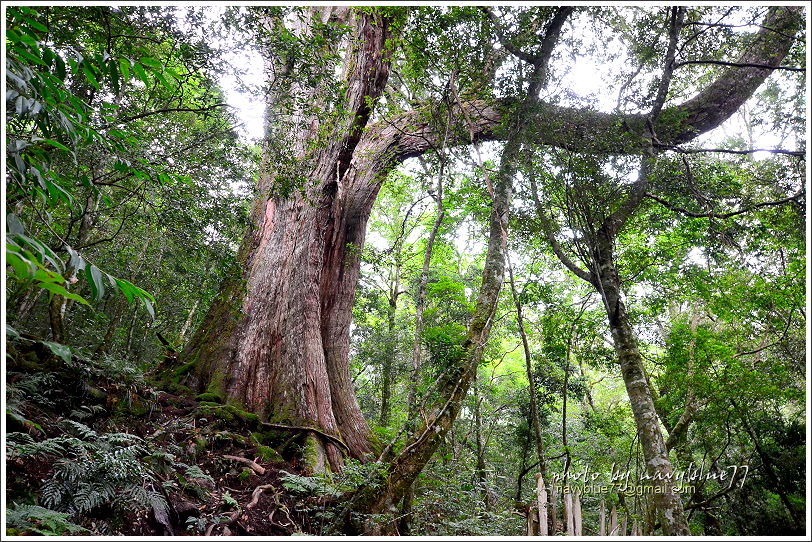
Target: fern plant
[
  {"x": 92, "y": 470},
  {"x": 24, "y": 519}
]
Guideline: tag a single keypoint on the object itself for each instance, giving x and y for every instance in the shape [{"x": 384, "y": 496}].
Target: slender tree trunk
[
  {"x": 188, "y": 323},
  {"x": 613, "y": 521},
  {"x": 59, "y": 305},
  {"x": 602, "y": 519},
  {"x": 387, "y": 375},
  {"x": 569, "y": 522},
  {"x": 104, "y": 346},
  {"x": 420, "y": 303},
  {"x": 523, "y": 469},
  {"x": 658, "y": 464},
  {"x": 28, "y": 303},
  {"x": 417, "y": 345},
  {"x": 535, "y": 422},
  {"x": 481, "y": 474},
  {"x": 577, "y": 520},
  {"x": 542, "y": 497},
  {"x": 402, "y": 471},
  {"x": 553, "y": 509}
]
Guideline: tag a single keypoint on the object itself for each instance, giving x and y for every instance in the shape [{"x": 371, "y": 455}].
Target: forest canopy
[{"x": 486, "y": 270}]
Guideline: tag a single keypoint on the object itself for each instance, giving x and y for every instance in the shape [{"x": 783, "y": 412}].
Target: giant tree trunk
[{"x": 277, "y": 338}]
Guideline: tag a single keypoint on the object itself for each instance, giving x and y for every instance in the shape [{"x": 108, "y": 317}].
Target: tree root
[
  {"x": 304, "y": 429},
  {"x": 257, "y": 468},
  {"x": 255, "y": 495}
]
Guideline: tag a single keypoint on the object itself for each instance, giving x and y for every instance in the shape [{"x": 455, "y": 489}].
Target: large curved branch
[{"x": 411, "y": 134}]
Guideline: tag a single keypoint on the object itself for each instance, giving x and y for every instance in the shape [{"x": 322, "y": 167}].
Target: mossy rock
[
  {"x": 270, "y": 437},
  {"x": 225, "y": 438},
  {"x": 227, "y": 413},
  {"x": 183, "y": 370},
  {"x": 174, "y": 388},
  {"x": 209, "y": 398}
]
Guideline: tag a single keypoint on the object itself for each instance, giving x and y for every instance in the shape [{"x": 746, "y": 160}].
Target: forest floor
[{"x": 216, "y": 468}]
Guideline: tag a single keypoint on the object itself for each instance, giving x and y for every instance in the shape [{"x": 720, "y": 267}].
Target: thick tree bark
[{"x": 277, "y": 338}]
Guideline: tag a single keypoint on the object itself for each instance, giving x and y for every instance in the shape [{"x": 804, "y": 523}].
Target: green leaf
[
  {"x": 56, "y": 144},
  {"x": 11, "y": 332},
  {"x": 30, "y": 57},
  {"x": 142, "y": 75},
  {"x": 114, "y": 82},
  {"x": 94, "y": 278},
  {"x": 126, "y": 288},
  {"x": 15, "y": 227},
  {"x": 48, "y": 276},
  {"x": 59, "y": 350},
  {"x": 36, "y": 25},
  {"x": 149, "y": 307},
  {"x": 76, "y": 260},
  {"x": 23, "y": 268},
  {"x": 124, "y": 66},
  {"x": 88, "y": 71},
  {"x": 43, "y": 251},
  {"x": 59, "y": 67},
  {"x": 162, "y": 80},
  {"x": 151, "y": 62},
  {"x": 60, "y": 290}
]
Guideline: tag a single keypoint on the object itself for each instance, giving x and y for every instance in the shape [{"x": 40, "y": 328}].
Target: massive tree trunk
[{"x": 276, "y": 339}]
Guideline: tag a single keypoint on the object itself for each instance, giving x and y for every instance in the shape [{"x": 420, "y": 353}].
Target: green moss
[
  {"x": 209, "y": 398},
  {"x": 266, "y": 453},
  {"x": 225, "y": 438},
  {"x": 227, "y": 413},
  {"x": 312, "y": 456},
  {"x": 378, "y": 440},
  {"x": 138, "y": 408},
  {"x": 245, "y": 474},
  {"x": 183, "y": 370}
]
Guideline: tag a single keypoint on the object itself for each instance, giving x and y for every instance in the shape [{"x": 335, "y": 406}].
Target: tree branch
[
  {"x": 409, "y": 134},
  {"x": 739, "y": 65},
  {"x": 615, "y": 222},
  {"x": 730, "y": 214},
  {"x": 168, "y": 110},
  {"x": 800, "y": 154},
  {"x": 547, "y": 226},
  {"x": 677, "y": 15}
]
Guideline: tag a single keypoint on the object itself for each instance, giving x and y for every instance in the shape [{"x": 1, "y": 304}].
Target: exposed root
[
  {"x": 257, "y": 468},
  {"x": 255, "y": 495}
]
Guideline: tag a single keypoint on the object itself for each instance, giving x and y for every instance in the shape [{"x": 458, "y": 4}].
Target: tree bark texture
[
  {"x": 277, "y": 338},
  {"x": 658, "y": 464}
]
